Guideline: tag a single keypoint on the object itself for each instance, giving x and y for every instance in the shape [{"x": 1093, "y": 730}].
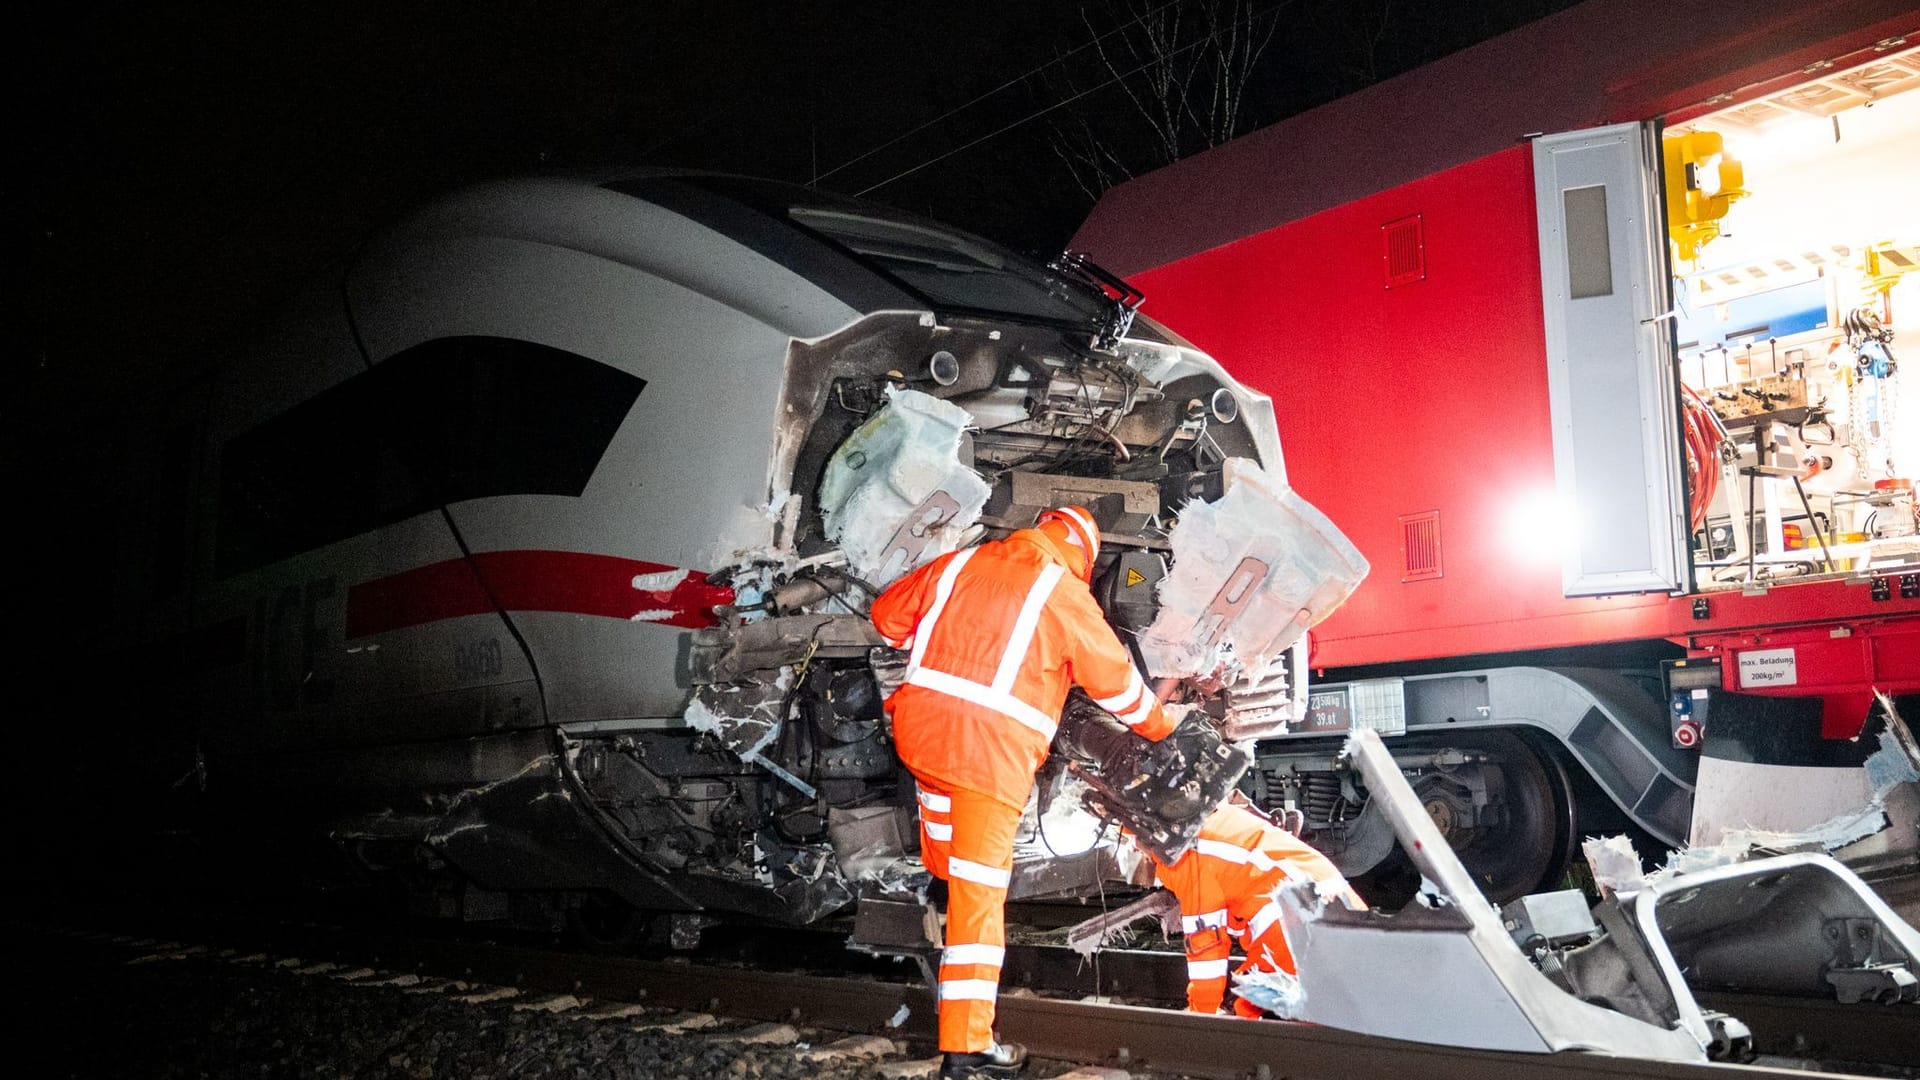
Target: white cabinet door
[{"x": 1611, "y": 374}]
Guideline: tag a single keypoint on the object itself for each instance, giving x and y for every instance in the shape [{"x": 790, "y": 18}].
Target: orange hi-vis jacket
[
  {"x": 997, "y": 635},
  {"x": 1225, "y": 885}
]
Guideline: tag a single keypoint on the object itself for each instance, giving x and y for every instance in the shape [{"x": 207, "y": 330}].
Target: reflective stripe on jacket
[
  {"x": 1225, "y": 885},
  {"x": 997, "y": 635}
]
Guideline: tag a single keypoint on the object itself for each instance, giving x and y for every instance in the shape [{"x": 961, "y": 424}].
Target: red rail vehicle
[{"x": 1586, "y": 337}]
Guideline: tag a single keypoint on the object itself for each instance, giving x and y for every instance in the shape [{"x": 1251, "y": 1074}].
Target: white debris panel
[
  {"x": 1615, "y": 865},
  {"x": 1275, "y": 991},
  {"x": 896, "y": 494},
  {"x": 1251, "y": 572},
  {"x": 1898, "y": 759},
  {"x": 1492, "y": 997},
  {"x": 1885, "y": 772}
]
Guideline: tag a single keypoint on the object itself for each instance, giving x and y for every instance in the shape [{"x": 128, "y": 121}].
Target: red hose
[{"x": 1703, "y": 434}]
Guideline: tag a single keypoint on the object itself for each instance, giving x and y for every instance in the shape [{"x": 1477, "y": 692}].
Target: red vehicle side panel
[{"x": 1432, "y": 396}]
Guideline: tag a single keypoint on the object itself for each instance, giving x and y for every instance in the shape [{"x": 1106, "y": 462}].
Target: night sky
[
  {"x": 181, "y": 167},
  {"x": 186, "y": 164}
]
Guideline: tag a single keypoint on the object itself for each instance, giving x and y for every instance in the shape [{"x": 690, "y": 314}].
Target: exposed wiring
[{"x": 1705, "y": 437}]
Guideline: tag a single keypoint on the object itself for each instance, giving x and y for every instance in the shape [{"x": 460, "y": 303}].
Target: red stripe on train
[{"x": 575, "y": 582}]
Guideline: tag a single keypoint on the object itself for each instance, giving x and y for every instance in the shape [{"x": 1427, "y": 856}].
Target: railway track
[{"x": 1792, "y": 1035}]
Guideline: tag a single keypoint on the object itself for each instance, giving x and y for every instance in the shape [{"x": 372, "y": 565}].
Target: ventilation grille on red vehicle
[
  {"x": 1420, "y": 545},
  {"x": 1403, "y": 251}
]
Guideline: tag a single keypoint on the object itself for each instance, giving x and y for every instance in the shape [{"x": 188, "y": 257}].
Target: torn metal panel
[
  {"x": 1251, "y": 572},
  {"x": 1491, "y": 995},
  {"x": 1615, "y": 864},
  {"x": 873, "y": 845},
  {"x": 1868, "y": 814},
  {"x": 1898, "y": 761},
  {"x": 1791, "y": 924},
  {"x": 1779, "y": 785},
  {"x": 1754, "y": 797},
  {"x": 896, "y": 494},
  {"x": 723, "y": 654},
  {"x": 746, "y": 718}
]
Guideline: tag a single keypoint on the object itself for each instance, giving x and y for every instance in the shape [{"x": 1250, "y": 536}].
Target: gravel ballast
[{"x": 117, "y": 1008}]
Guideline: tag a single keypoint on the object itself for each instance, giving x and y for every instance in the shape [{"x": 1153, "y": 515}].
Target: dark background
[
  {"x": 178, "y": 168},
  {"x": 185, "y": 164}
]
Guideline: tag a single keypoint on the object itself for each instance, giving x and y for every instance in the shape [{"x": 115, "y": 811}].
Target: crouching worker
[
  {"x": 996, "y": 633},
  {"x": 1224, "y": 883}
]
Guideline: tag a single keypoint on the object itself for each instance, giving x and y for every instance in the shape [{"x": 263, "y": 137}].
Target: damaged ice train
[{"x": 528, "y": 560}]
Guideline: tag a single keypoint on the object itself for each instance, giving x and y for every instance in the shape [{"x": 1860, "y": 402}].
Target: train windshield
[
  {"x": 951, "y": 268},
  {"x": 948, "y": 269}
]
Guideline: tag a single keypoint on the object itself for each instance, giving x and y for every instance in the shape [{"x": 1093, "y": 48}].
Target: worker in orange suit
[
  {"x": 996, "y": 633},
  {"x": 1225, "y": 885}
]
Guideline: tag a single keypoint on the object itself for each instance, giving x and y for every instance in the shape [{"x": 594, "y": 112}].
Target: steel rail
[
  {"x": 1163, "y": 1040},
  {"x": 1801, "y": 1027}
]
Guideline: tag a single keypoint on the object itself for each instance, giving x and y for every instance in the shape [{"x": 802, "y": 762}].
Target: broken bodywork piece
[
  {"x": 1881, "y": 828},
  {"x": 870, "y": 480},
  {"x": 1252, "y": 571},
  {"x": 1859, "y": 801},
  {"x": 1792, "y": 924},
  {"x": 1543, "y": 978},
  {"x": 1492, "y": 996},
  {"x": 896, "y": 493}
]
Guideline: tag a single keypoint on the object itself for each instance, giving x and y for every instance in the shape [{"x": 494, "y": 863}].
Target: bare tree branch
[{"x": 1183, "y": 69}]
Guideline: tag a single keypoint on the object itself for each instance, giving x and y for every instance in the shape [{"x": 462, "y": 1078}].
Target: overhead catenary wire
[
  {"x": 1037, "y": 114},
  {"x": 1009, "y": 84}
]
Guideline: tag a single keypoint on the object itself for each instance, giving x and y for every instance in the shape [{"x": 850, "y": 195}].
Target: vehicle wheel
[
  {"x": 1528, "y": 850},
  {"x": 1524, "y": 838}
]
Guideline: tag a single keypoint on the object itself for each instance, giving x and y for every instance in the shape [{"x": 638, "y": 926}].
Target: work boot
[{"x": 1001, "y": 1060}]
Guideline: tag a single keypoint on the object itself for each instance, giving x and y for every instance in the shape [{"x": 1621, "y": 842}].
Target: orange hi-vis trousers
[
  {"x": 1225, "y": 884},
  {"x": 966, "y": 840},
  {"x": 1209, "y": 957},
  {"x": 1266, "y": 952}
]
